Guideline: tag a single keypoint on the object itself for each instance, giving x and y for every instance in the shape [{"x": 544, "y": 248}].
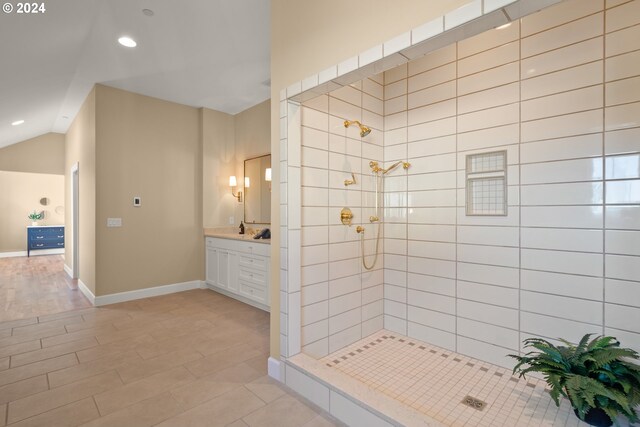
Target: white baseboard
[
  {"x": 275, "y": 369},
  {"x": 237, "y": 296},
  {"x": 86, "y": 291},
  {"x": 146, "y": 293},
  {"x": 33, "y": 253},
  {"x": 68, "y": 270},
  {"x": 12, "y": 254}
]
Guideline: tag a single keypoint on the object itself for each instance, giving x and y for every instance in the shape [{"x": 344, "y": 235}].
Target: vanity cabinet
[{"x": 239, "y": 269}]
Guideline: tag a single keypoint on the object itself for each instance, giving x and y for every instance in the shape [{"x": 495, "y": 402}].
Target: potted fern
[{"x": 597, "y": 376}]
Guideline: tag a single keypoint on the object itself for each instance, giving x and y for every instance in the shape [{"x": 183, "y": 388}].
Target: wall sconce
[
  {"x": 267, "y": 174},
  {"x": 247, "y": 182},
  {"x": 233, "y": 183}
]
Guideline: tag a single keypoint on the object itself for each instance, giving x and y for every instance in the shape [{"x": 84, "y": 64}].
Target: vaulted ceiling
[{"x": 202, "y": 53}]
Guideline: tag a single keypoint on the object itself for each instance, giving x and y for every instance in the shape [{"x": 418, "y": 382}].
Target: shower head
[{"x": 364, "y": 130}]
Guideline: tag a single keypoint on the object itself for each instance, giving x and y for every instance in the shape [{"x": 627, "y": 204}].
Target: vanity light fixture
[
  {"x": 127, "y": 41},
  {"x": 17, "y": 123},
  {"x": 267, "y": 174},
  {"x": 233, "y": 183}
]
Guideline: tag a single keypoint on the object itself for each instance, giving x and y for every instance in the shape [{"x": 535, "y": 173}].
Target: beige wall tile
[
  {"x": 559, "y": 14},
  {"x": 567, "y": 102},
  {"x": 491, "y": 117},
  {"x": 487, "y": 79},
  {"x": 500, "y": 95},
  {"x": 489, "y": 59},
  {"x": 488, "y": 40},
  {"x": 622, "y": 41},
  {"x": 566, "y": 57},
  {"x": 564, "y": 80},
  {"x": 432, "y": 95},
  {"x": 432, "y": 60},
  {"x": 622, "y": 116},
  {"x": 564, "y": 35},
  {"x": 431, "y": 112},
  {"x": 623, "y": 16},
  {"x": 557, "y": 127},
  {"x": 622, "y": 66},
  {"x": 622, "y": 91},
  {"x": 432, "y": 77}
]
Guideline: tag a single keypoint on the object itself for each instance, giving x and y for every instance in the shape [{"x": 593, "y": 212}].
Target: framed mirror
[{"x": 257, "y": 190}]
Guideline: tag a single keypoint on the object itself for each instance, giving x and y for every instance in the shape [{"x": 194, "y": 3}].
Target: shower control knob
[{"x": 360, "y": 229}]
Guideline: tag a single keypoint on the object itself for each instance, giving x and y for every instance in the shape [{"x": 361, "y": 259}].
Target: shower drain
[{"x": 474, "y": 403}]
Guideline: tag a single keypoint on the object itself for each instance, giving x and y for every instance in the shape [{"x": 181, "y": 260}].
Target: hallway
[{"x": 36, "y": 286}]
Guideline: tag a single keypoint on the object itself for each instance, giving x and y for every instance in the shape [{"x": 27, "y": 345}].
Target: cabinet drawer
[
  {"x": 255, "y": 294},
  {"x": 46, "y": 245},
  {"x": 253, "y": 276},
  {"x": 251, "y": 261}
]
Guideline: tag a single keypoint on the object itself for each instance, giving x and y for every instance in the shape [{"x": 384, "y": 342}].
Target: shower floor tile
[{"x": 435, "y": 381}]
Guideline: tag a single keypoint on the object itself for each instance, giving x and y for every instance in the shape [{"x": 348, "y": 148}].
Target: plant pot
[
  {"x": 34, "y": 223},
  {"x": 596, "y": 417}
]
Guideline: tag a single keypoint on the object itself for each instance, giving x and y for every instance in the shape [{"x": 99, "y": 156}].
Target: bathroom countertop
[{"x": 225, "y": 233}]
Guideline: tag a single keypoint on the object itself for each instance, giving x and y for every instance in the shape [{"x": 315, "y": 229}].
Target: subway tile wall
[
  {"x": 341, "y": 301},
  {"x": 560, "y": 92}
]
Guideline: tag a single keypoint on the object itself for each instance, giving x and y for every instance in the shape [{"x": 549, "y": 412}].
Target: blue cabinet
[{"x": 46, "y": 237}]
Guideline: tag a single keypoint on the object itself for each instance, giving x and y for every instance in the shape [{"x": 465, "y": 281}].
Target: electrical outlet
[
  {"x": 114, "y": 222},
  {"x": 137, "y": 201},
  {"x": 232, "y": 220}
]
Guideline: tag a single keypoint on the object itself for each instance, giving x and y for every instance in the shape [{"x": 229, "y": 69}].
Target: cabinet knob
[
  {"x": 40, "y": 245},
  {"x": 60, "y": 237},
  {"x": 39, "y": 237}
]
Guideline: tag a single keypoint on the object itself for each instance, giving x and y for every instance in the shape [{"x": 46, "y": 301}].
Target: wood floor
[
  {"x": 194, "y": 358},
  {"x": 34, "y": 286}
]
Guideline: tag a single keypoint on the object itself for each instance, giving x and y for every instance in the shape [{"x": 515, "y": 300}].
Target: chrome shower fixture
[{"x": 364, "y": 130}]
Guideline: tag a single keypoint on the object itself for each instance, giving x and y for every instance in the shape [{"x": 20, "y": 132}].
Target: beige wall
[
  {"x": 218, "y": 162},
  {"x": 308, "y": 36},
  {"x": 80, "y": 147},
  {"x": 20, "y": 193},
  {"x": 149, "y": 148},
  {"x": 253, "y": 138},
  {"x": 227, "y": 141},
  {"x": 42, "y": 154}
]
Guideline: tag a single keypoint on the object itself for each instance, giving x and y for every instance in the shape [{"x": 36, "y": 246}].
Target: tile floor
[
  {"x": 434, "y": 381},
  {"x": 36, "y": 285},
  {"x": 193, "y": 358}
]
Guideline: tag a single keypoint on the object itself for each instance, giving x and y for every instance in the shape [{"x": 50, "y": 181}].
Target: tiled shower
[{"x": 558, "y": 91}]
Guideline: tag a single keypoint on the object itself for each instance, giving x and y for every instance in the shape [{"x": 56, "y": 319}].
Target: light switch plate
[
  {"x": 114, "y": 222},
  {"x": 232, "y": 220}
]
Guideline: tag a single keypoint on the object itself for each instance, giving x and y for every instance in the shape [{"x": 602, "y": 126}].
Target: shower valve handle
[{"x": 360, "y": 229}]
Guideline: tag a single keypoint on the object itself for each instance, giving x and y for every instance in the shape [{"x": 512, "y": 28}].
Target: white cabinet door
[
  {"x": 223, "y": 268},
  {"x": 212, "y": 266},
  {"x": 233, "y": 271}
]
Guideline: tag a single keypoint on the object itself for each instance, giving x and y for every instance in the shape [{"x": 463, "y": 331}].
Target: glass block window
[{"x": 486, "y": 183}]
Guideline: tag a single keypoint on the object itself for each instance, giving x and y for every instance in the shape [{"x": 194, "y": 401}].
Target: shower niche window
[{"x": 486, "y": 188}]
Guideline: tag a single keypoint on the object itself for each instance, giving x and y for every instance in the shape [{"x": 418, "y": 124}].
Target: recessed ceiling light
[
  {"x": 127, "y": 41},
  {"x": 508, "y": 24},
  {"x": 147, "y": 12},
  {"x": 17, "y": 123}
]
